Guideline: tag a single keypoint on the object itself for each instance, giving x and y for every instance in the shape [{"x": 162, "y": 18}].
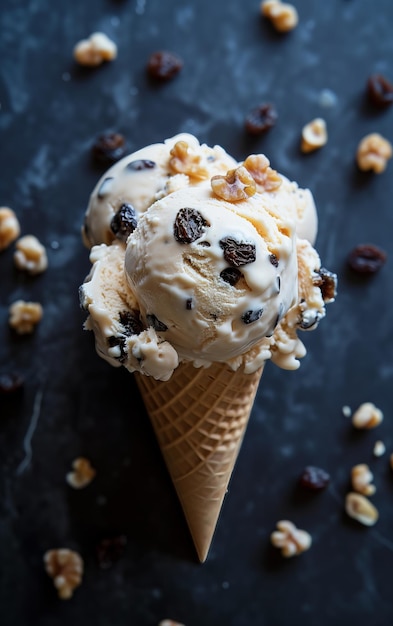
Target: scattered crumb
[
  {"x": 327, "y": 99},
  {"x": 82, "y": 474},
  {"x": 367, "y": 416},
  {"x": 379, "y": 448},
  {"x": 346, "y": 410},
  {"x": 66, "y": 568},
  {"x": 9, "y": 227},
  {"x": 373, "y": 153},
  {"x": 314, "y": 135},
  {"x": 283, "y": 16},
  {"x": 290, "y": 539},
  {"x": 362, "y": 477},
  {"x": 95, "y": 50},
  {"x": 30, "y": 255},
  {"x": 169, "y": 622},
  {"x": 361, "y": 509},
  {"x": 24, "y": 316}
]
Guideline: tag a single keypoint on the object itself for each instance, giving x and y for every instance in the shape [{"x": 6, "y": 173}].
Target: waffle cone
[{"x": 200, "y": 417}]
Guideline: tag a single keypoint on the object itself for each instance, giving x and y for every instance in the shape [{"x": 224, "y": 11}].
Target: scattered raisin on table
[
  {"x": 164, "y": 65},
  {"x": 314, "y": 478},
  {"x": 380, "y": 90},
  {"x": 109, "y": 148},
  {"x": 366, "y": 259},
  {"x": 10, "y": 383},
  {"x": 261, "y": 119}
]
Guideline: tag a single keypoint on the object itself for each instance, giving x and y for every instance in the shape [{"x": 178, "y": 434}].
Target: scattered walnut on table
[
  {"x": 373, "y": 153},
  {"x": 66, "y": 568},
  {"x": 362, "y": 477},
  {"x": 95, "y": 50},
  {"x": 314, "y": 135},
  {"x": 24, "y": 316},
  {"x": 290, "y": 539},
  {"x": 184, "y": 160},
  {"x": 361, "y": 509},
  {"x": 238, "y": 184},
  {"x": 282, "y": 15},
  {"x": 82, "y": 474},
  {"x": 258, "y": 165},
  {"x": 367, "y": 416},
  {"x": 9, "y": 227},
  {"x": 30, "y": 255}
]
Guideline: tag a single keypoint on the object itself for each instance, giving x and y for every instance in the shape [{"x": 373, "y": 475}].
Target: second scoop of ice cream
[{"x": 213, "y": 277}]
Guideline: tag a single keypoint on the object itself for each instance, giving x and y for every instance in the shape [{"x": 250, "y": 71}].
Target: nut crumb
[
  {"x": 184, "y": 161},
  {"x": 290, "y": 539},
  {"x": 24, "y": 316},
  {"x": 259, "y": 167},
  {"x": 238, "y": 184},
  {"x": 282, "y": 15},
  {"x": 347, "y": 411},
  {"x": 373, "y": 153},
  {"x": 361, "y": 509},
  {"x": 367, "y": 416},
  {"x": 9, "y": 227},
  {"x": 82, "y": 474},
  {"x": 379, "y": 448},
  {"x": 66, "y": 568},
  {"x": 30, "y": 255},
  {"x": 314, "y": 135},
  {"x": 95, "y": 50},
  {"x": 362, "y": 477}
]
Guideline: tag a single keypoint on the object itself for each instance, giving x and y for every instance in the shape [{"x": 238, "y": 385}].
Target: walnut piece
[
  {"x": 258, "y": 165},
  {"x": 66, "y": 568},
  {"x": 184, "y": 160},
  {"x": 373, "y": 153},
  {"x": 282, "y": 15},
  {"x": 9, "y": 227},
  {"x": 30, "y": 255},
  {"x": 24, "y": 316},
  {"x": 95, "y": 50},
  {"x": 290, "y": 539},
  {"x": 82, "y": 474},
  {"x": 379, "y": 448},
  {"x": 238, "y": 184},
  {"x": 361, "y": 509},
  {"x": 367, "y": 416},
  {"x": 314, "y": 135},
  {"x": 362, "y": 477}
]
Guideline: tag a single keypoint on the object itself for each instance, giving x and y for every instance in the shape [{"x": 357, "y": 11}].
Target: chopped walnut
[
  {"x": 82, "y": 474},
  {"x": 367, "y": 416},
  {"x": 373, "y": 153},
  {"x": 9, "y": 227},
  {"x": 290, "y": 539},
  {"x": 185, "y": 161},
  {"x": 24, "y": 316},
  {"x": 379, "y": 448},
  {"x": 30, "y": 255},
  {"x": 259, "y": 167},
  {"x": 238, "y": 184},
  {"x": 361, "y": 509},
  {"x": 282, "y": 15},
  {"x": 95, "y": 50},
  {"x": 66, "y": 568},
  {"x": 362, "y": 478},
  {"x": 314, "y": 135}
]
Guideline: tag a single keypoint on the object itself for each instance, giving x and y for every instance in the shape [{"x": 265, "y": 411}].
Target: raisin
[
  {"x": 124, "y": 222},
  {"x": 164, "y": 65},
  {"x": 278, "y": 284},
  {"x": 231, "y": 275},
  {"x": 314, "y": 478},
  {"x": 366, "y": 259},
  {"x": 131, "y": 322},
  {"x": 189, "y": 304},
  {"x": 189, "y": 225},
  {"x": 110, "y": 550},
  {"x": 327, "y": 282},
  {"x": 273, "y": 259},
  {"x": 109, "y": 148},
  {"x": 252, "y": 316},
  {"x": 380, "y": 90},
  {"x": 140, "y": 164},
  {"x": 238, "y": 253},
  {"x": 155, "y": 322},
  {"x": 10, "y": 383},
  {"x": 260, "y": 119}
]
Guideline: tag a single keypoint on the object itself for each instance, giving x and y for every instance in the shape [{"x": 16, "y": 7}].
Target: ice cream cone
[{"x": 200, "y": 417}]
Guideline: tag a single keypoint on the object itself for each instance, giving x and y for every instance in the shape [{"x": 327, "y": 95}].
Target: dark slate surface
[{"x": 74, "y": 403}]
